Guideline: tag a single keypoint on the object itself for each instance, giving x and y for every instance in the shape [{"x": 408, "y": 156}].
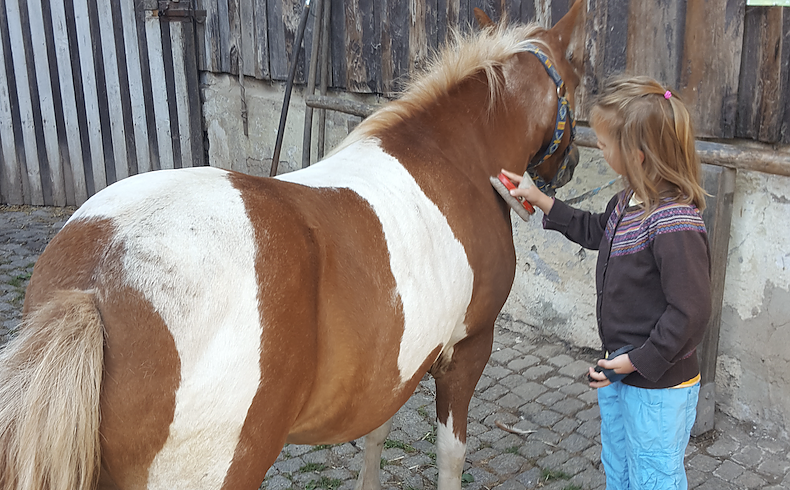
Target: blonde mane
[{"x": 464, "y": 55}]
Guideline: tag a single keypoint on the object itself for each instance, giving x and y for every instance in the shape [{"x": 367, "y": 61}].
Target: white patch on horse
[
  {"x": 190, "y": 250},
  {"x": 450, "y": 453},
  {"x": 430, "y": 266}
]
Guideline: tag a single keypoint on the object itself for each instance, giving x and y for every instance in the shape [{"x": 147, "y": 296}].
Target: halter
[{"x": 564, "y": 116}]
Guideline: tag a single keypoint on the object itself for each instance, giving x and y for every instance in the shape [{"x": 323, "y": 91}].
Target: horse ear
[
  {"x": 570, "y": 29},
  {"x": 483, "y": 20}
]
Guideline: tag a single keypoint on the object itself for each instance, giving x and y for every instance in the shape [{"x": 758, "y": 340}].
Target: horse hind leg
[{"x": 374, "y": 443}]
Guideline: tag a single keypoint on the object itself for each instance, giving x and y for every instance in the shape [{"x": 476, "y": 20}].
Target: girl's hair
[{"x": 640, "y": 114}]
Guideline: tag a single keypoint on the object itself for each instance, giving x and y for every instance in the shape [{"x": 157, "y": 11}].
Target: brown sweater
[{"x": 652, "y": 281}]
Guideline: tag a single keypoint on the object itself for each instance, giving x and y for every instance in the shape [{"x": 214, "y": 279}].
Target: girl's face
[{"x": 610, "y": 148}]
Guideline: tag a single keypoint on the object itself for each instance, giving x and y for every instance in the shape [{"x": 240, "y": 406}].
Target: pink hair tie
[{"x": 667, "y": 94}]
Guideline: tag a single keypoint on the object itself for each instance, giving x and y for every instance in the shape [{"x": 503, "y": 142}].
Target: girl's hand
[
  {"x": 620, "y": 364},
  {"x": 531, "y": 193}
]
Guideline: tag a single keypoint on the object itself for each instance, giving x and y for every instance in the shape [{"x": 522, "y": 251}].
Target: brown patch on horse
[
  {"x": 332, "y": 313},
  {"x": 141, "y": 364}
]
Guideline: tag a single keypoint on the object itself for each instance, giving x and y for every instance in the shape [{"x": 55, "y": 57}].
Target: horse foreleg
[
  {"x": 455, "y": 386},
  {"x": 374, "y": 443}
]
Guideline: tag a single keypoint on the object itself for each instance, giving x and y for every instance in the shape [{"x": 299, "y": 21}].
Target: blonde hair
[{"x": 640, "y": 114}]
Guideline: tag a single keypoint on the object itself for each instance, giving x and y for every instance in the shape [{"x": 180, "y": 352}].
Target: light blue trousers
[{"x": 644, "y": 434}]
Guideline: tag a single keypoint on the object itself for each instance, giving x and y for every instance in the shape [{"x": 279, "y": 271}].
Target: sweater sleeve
[
  {"x": 684, "y": 265},
  {"x": 582, "y": 227}
]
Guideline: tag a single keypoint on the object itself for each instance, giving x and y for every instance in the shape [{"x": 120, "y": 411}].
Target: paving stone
[
  {"x": 496, "y": 372},
  {"x": 575, "y": 443},
  {"x": 589, "y": 414},
  {"x": 506, "y": 464},
  {"x": 512, "y": 381},
  {"x": 537, "y": 372},
  {"x": 704, "y": 463},
  {"x": 724, "y": 446},
  {"x": 749, "y": 479},
  {"x": 748, "y": 456},
  {"x": 560, "y": 360},
  {"x": 529, "y": 390},
  {"x": 510, "y": 485},
  {"x": 728, "y": 471},
  {"x": 504, "y": 356},
  {"x": 530, "y": 478},
  {"x": 556, "y": 382},
  {"x": 565, "y": 426},
  {"x": 520, "y": 363},
  {"x": 546, "y": 417},
  {"x": 555, "y": 460},
  {"x": 576, "y": 389},
  {"x": 549, "y": 398},
  {"x": 568, "y": 406},
  {"x": 774, "y": 466}
]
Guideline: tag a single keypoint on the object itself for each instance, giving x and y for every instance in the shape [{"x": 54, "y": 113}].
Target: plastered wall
[{"x": 553, "y": 290}]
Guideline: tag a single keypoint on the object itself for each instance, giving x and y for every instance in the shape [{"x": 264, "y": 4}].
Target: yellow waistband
[{"x": 691, "y": 382}]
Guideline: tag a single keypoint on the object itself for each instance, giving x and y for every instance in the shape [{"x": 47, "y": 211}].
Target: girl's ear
[{"x": 641, "y": 155}]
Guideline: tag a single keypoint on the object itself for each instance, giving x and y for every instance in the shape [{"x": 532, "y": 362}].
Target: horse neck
[{"x": 459, "y": 131}]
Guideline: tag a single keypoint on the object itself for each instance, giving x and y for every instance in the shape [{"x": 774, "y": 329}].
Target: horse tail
[{"x": 50, "y": 378}]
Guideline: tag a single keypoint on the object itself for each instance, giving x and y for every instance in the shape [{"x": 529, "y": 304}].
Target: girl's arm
[{"x": 582, "y": 227}]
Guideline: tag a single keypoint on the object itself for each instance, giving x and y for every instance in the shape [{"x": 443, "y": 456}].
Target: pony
[{"x": 185, "y": 324}]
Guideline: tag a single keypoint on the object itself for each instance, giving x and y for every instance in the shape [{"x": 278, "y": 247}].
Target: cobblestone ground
[{"x": 532, "y": 382}]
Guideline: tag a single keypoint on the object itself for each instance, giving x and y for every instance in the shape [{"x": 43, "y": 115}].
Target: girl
[{"x": 652, "y": 281}]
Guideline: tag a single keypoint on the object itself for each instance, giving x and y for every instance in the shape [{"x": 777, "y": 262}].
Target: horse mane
[{"x": 463, "y": 56}]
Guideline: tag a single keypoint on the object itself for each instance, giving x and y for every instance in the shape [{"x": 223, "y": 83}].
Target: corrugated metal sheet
[{"x": 92, "y": 91}]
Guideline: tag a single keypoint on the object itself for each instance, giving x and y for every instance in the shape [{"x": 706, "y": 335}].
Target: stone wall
[{"x": 553, "y": 291}]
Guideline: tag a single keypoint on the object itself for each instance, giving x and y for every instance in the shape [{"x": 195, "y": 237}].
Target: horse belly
[{"x": 407, "y": 318}]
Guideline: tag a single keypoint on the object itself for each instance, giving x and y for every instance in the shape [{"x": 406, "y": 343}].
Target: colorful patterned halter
[{"x": 564, "y": 118}]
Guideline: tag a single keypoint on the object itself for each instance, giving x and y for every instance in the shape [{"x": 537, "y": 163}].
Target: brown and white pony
[{"x": 185, "y": 324}]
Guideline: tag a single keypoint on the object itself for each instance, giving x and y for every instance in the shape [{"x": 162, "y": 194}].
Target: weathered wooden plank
[
  {"x": 11, "y": 184},
  {"x": 711, "y": 61},
  {"x": 210, "y": 35},
  {"x": 719, "y": 182},
  {"x": 247, "y": 36},
  {"x": 168, "y": 58},
  {"x": 397, "y": 36},
  {"x": 102, "y": 92},
  {"x": 605, "y": 42},
  {"x": 69, "y": 140},
  {"x": 112, "y": 82},
  {"x": 53, "y": 181},
  {"x": 223, "y": 23},
  {"x": 527, "y": 11},
  {"x": 655, "y": 36},
  {"x": 785, "y": 127},
  {"x": 356, "y": 66},
  {"x": 337, "y": 21},
  {"x": 145, "y": 73},
  {"x": 418, "y": 37},
  {"x": 195, "y": 121},
  {"x": 262, "y": 70},
  {"x": 283, "y": 18},
  {"x": 370, "y": 11},
  {"x": 62, "y": 145},
  {"x": 235, "y": 46},
  {"x": 158, "y": 79},
  {"x": 761, "y": 94},
  {"x": 181, "y": 99},
  {"x": 25, "y": 103},
  {"x": 135, "y": 80}
]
